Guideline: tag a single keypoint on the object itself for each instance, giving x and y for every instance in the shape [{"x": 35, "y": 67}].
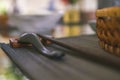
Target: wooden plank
[
  {"x": 87, "y": 46},
  {"x": 38, "y": 67}
]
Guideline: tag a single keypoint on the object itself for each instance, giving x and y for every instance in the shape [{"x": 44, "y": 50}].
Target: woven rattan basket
[{"x": 108, "y": 29}]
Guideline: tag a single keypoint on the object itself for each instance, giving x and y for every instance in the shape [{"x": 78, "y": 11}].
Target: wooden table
[{"x": 74, "y": 66}]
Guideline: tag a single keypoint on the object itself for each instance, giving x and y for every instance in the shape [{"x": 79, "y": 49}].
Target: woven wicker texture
[
  {"x": 109, "y": 12},
  {"x": 108, "y": 29}
]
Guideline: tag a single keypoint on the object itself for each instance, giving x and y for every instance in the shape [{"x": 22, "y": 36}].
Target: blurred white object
[
  {"x": 58, "y": 31},
  {"x": 34, "y": 23},
  {"x": 41, "y": 7},
  {"x": 32, "y": 6},
  {"x": 86, "y": 30},
  {"x": 88, "y": 5}
]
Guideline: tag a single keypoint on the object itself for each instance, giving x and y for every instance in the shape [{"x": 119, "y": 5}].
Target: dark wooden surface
[
  {"x": 88, "y": 46},
  {"x": 72, "y": 66}
]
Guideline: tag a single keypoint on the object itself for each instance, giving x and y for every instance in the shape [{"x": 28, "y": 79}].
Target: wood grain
[{"x": 71, "y": 67}]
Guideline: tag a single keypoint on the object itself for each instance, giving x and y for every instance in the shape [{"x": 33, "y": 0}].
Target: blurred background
[{"x": 58, "y": 18}]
